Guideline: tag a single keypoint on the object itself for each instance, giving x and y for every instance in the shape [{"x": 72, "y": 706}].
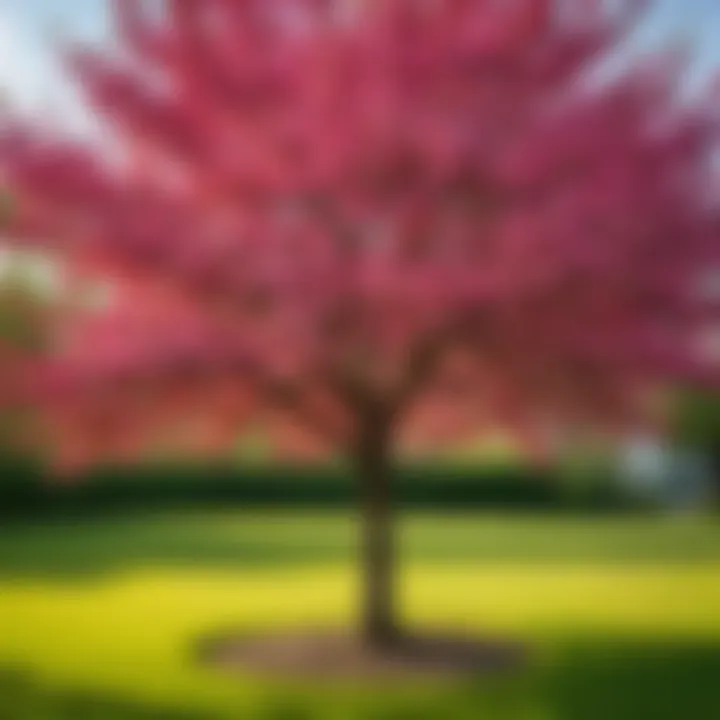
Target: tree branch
[{"x": 288, "y": 396}]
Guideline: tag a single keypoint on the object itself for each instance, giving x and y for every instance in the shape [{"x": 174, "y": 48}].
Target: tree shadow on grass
[
  {"x": 90, "y": 547},
  {"x": 653, "y": 680},
  {"x": 588, "y": 680},
  {"x": 22, "y": 698}
]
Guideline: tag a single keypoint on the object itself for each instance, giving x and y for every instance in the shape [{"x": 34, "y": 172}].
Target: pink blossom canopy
[{"x": 315, "y": 207}]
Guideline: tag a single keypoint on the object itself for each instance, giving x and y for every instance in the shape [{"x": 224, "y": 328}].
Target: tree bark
[{"x": 379, "y": 626}]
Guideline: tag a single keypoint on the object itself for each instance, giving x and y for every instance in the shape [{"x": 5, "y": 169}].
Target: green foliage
[
  {"x": 697, "y": 426},
  {"x": 254, "y": 447},
  {"x": 698, "y": 420},
  {"x": 24, "y": 312},
  {"x": 25, "y": 489}
]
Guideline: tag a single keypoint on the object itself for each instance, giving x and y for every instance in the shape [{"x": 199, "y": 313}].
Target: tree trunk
[{"x": 377, "y": 543}]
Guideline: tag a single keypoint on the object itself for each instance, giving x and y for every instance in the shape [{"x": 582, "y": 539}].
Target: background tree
[
  {"x": 375, "y": 221},
  {"x": 697, "y": 426},
  {"x": 26, "y": 321}
]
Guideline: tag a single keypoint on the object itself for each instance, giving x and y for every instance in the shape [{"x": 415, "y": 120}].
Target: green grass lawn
[{"x": 99, "y": 618}]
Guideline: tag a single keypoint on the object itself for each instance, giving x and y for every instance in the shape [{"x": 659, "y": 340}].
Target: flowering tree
[{"x": 376, "y": 221}]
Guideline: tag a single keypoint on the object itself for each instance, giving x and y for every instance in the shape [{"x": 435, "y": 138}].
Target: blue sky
[{"x": 29, "y": 75}]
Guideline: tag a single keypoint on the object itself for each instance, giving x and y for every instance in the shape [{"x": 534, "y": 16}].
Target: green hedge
[{"x": 24, "y": 489}]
